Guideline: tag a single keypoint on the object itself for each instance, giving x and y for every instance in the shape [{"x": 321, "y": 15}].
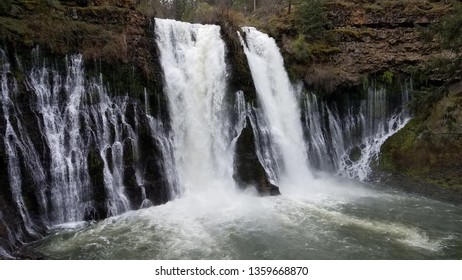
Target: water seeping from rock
[
  {"x": 18, "y": 147},
  {"x": 347, "y": 140},
  {"x": 72, "y": 154},
  {"x": 74, "y": 116}
]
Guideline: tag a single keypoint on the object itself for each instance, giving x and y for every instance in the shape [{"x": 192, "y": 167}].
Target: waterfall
[
  {"x": 193, "y": 60},
  {"x": 348, "y": 143},
  {"x": 164, "y": 141},
  {"x": 61, "y": 128},
  {"x": 111, "y": 133},
  {"x": 280, "y": 109},
  {"x": 76, "y": 151},
  {"x": 76, "y": 114},
  {"x": 379, "y": 118},
  {"x": 18, "y": 146}
]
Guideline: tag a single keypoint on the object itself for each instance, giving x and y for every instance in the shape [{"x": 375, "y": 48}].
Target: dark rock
[
  {"x": 5, "y": 7},
  {"x": 82, "y": 3},
  {"x": 156, "y": 192},
  {"x": 241, "y": 77},
  {"x": 248, "y": 171},
  {"x": 95, "y": 167}
]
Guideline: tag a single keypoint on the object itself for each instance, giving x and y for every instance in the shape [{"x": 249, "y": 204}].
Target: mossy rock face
[
  {"x": 429, "y": 148},
  {"x": 355, "y": 154}
]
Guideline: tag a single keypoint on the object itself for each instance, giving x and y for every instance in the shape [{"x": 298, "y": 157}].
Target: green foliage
[
  {"x": 311, "y": 18},
  {"x": 305, "y": 52},
  {"x": 300, "y": 49},
  {"x": 444, "y": 35},
  {"x": 387, "y": 77},
  {"x": 448, "y": 31}
]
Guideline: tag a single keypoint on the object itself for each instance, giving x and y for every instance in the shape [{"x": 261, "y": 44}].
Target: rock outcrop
[{"x": 248, "y": 170}]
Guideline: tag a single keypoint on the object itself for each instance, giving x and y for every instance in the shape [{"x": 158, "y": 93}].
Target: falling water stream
[{"x": 318, "y": 216}]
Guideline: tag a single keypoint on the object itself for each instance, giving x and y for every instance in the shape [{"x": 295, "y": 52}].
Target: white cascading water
[
  {"x": 112, "y": 130},
  {"x": 321, "y": 154},
  {"x": 330, "y": 137},
  {"x": 165, "y": 142},
  {"x": 333, "y": 138},
  {"x": 377, "y": 125},
  {"x": 193, "y": 59},
  {"x": 13, "y": 147},
  {"x": 74, "y": 116},
  {"x": 70, "y": 181},
  {"x": 280, "y": 107}
]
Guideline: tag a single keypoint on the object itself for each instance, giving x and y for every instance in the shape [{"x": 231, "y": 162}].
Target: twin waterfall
[{"x": 74, "y": 151}]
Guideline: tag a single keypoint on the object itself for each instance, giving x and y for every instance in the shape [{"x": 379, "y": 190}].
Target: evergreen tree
[{"x": 311, "y": 18}]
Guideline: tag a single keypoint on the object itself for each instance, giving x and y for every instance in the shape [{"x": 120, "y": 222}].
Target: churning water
[{"x": 355, "y": 222}]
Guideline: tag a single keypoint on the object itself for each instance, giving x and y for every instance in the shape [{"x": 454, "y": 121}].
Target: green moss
[
  {"x": 373, "y": 7},
  {"x": 355, "y": 154},
  {"x": 392, "y": 151},
  {"x": 304, "y": 52},
  {"x": 348, "y": 32},
  {"x": 387, "y": 77},
  {"x": 425, "y": 150}
]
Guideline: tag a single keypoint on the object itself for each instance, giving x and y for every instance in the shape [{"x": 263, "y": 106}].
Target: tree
[
  {"x": 446, "y": 34},
  {"x": 311, "y": 18},
  {"x": 448, "y": 31}
]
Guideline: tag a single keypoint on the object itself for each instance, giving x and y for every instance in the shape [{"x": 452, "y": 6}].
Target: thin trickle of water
[
  {"x": 349, "y": 143},
  {"x": 378, "y": 124},
  {"x": 77, "y": 115},
  {"x": 110, "y": 133},
  {"x": 14, "y": 147},
  {"x": 279, "y": 108},
  {"x": 164, "y": 141},
  {"x": 193, "y": 59},
  {"x": 70, "y": 181}
]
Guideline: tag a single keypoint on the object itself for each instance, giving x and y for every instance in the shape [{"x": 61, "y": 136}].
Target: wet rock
[
  {"x": 248, "y": 171},
  {"x": 156, "y": 192}
]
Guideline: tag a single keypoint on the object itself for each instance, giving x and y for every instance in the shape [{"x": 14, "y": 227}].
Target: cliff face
[{"x": 372, "y": 37}]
